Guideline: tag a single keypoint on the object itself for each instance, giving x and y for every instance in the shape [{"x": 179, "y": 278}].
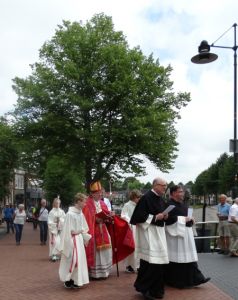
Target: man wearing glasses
[{"x": 151, "y": 244}]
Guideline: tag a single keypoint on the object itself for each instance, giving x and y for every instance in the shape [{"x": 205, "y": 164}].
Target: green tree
[
  {"x": 147, "y": 186},
  {"x": 227, "y": 175},
  {"x": 132, "y": 183},
  {"x": 99, "y": 101},
  {"x": 199, "y": 187},
  {"x": 8, "y": 157},
  {"x": 61, "y": 179},
  {"x": 219, "y": 177}
]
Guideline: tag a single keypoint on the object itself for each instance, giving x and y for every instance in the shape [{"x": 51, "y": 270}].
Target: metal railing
[{"x": 205, "y": 241}]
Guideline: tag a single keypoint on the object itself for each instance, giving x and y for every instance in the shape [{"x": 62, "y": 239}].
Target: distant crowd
[{"x": 227, "y": 213}]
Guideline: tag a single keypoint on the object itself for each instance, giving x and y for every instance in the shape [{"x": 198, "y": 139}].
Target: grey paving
[
  {"x": 223, "y": 271},
  {"x": 210, "y": 213}
]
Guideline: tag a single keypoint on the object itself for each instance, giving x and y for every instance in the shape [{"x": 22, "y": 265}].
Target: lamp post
[
  {"x": 110, "y": 186},
  {"x": 204, "y": 57}
]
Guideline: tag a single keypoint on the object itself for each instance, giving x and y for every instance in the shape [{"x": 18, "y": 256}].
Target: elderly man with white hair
[
  {"x": 233, "y": 224},
  {"x": 223, "y": 209},
  {"x": 149, "y": 218},
  {"x": 43, "y": 222}
]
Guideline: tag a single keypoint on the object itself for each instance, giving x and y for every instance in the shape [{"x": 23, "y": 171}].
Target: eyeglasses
[{"x": 164, "y": 185}]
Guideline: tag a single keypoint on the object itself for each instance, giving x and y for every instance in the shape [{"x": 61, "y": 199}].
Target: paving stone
[{"x": 27, "y": 274}]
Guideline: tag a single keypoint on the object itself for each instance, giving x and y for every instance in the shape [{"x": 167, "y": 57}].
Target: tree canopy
[
  {"x": 218, "y": 178},
  {"x": 97, "y": 103},
  {"x": 8, "y": 157}
]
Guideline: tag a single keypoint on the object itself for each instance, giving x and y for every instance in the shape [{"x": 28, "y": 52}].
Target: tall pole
[
  {"x": 235, "y": 95},
  {"x": 235, "y": 112}
]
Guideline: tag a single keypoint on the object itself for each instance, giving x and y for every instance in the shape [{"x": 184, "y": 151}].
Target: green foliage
[
  {"x": 99, "y": 101},
  {"x": 227, "y": 175},
  {"x": 61, "y": 179},
  {"x": 131, "y": 183},
  {"x": 8, "y": 157},
  {"x": 218, "y": 178},
  {"x": 147, "y": 186}
]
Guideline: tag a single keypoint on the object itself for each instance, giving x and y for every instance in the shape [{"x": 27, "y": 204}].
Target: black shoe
[
  {"x": 205, "y": 280},
  {"x": 159, "y": 295},
  {"x": 129, "y": 269},
  {"x": 54, "y": 258},
  {"x": 69, "y": 284},
  {"x": 75, "y": 286},
  {"x": 147, "y": 296},
  {"x": 220, "y": 252}
]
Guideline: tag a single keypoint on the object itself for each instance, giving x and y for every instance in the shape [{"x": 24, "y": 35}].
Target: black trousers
[{"x": 150, "y": 278}]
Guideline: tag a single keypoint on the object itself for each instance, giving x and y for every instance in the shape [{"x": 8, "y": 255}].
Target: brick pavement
[{"x": 27, "y": 274}]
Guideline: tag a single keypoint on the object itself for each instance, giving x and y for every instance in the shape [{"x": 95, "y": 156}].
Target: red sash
[{"x": 74, "y": 261}]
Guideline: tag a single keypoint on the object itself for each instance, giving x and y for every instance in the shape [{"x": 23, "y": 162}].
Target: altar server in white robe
[
  {"x": 55, "y": 225},
  {"x": 131, "y": 261},
  {"x": 73, "y": 270},
  {"x": 182, "y": 271},
  {"x": 151, "y": 246}
]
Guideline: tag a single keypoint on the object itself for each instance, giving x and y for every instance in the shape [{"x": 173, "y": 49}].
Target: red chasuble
[
  {"x": 120, "y": 232},
  {"x": 100, "y": 238}
]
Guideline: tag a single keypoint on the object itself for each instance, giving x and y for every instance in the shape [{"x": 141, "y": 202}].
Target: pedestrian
[
  {"x": 181, "y": 245},
  {"x": 8, "y": 213},
  {"x": 73, "y": 270},
  {"x": 223, "y": 209},
  {"x": 43, "y": 221},
  {"x": 19, "y": 221},
  {"x": 34, "y": 217},
  {"x": 55, "y": 225},
  {"x": 233, "y": 225},
  {"x": 131, "y": 261},
  {"x": 149, "y": 218},
  {"x": 99, "y": 249}
]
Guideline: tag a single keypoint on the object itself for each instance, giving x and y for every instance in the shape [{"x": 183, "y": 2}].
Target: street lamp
[
  {"x": 204, "y": 57},
  {"x": 110, "y": 186}
]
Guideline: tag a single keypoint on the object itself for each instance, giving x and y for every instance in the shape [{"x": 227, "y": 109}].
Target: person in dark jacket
[
  {"x": 8, "y": 217},
  {"x": 151, "y": 247}
]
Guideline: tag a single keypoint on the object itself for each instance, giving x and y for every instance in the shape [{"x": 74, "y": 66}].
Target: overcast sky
[{"x": 172, "y": 30}]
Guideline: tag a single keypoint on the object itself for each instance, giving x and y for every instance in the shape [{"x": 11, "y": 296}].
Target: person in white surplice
[
  {"x": 131, "y": 261},
  {"x": 55, "y": 225},
  {"x": 73, "y": 270},
  {"x": 149, "y": 217},
  {"x": 182, "y": 270}
]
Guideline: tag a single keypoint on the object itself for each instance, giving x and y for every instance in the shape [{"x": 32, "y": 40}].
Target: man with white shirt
[
  {"x": 233, "y": 224},
  {"x": 43, "y": 222}
]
